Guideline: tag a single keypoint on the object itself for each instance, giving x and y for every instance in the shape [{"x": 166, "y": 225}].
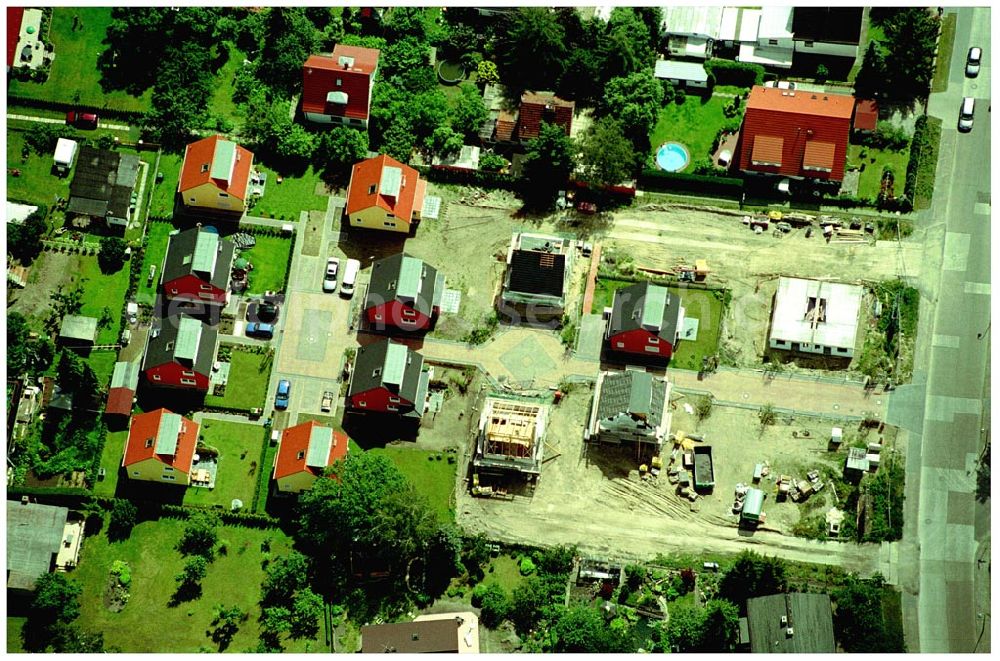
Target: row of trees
[{"x": 899, "y": 69}]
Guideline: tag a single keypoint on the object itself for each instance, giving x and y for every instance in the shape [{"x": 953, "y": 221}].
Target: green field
[
  {"x": 157, "y": 238},
  {"x": 147, "y": 623},
  {"x": 102, "y": 361},
  {"x": 693, "y": 124},
  {"x": 700, "y": 304},
  {"x": 103, "y": 291},
  {"x": 433, "y": 479},
  {"x": 270, "y": 263},
  {"x": 75, "y": 76},
  {"x": 247, "y": 386},
  {"x": 503, "y": 571},
  {"x": 239, "y": 446},
  {"x": 162, "y": 205},
  {"x": 284, "y": 201},
  {"x": 870, "y": 182},
  {"x": 36, "y": 184},
  {"x": 221, "y": 104},
  {"x": 111, "y": 461}
]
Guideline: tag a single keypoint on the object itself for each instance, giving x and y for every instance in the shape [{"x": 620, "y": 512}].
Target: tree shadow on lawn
[{"x": 185, "y": 592}]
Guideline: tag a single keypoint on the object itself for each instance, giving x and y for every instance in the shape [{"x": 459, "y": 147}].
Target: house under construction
[
  {"x": 511, "y": 438},
  {"x": 815, "y": 317}
]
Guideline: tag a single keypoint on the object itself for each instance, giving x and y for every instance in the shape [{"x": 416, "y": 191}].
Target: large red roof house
[
  {"x": 535, "y": 109},
  {"x": 384, "y": 194},
  {"x": 337, "y": 88},
  {"x": 304, "y": 452},
  {"x": 795, "y": 134},
  {"x": 160, "y": 447},
  {"x": 646, "y": 320}
]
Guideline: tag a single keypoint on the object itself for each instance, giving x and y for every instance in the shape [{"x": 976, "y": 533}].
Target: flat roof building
[
  {"x": 39, "y": 539},
  {"x": 815, "y": 317}
]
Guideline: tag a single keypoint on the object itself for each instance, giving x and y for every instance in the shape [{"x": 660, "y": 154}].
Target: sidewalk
[{"x": 51, "y": 120}]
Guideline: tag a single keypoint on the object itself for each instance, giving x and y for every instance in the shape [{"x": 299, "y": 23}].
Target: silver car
[
  {"x": 972, "y": 62},
  {"x": 330, "y": 281}
]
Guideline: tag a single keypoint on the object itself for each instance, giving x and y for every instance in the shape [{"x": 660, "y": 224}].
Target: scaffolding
[{"x": 510, "y": 436}]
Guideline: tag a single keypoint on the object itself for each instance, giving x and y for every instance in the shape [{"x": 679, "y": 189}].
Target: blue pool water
[{"x": 672, "y": 157}]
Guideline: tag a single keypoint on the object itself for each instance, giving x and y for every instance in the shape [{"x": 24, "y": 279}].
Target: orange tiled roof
[
  {"x": 368, "y": 173},
  {"x": 145, "y": 426},
  {"x": 199, "y": 154},
  {"x": 294, "y": 449},
  {"x": 533, "y": 112},
  {"x": 865, "y": 115}
]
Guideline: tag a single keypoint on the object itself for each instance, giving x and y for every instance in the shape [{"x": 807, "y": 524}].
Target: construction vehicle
[{"x": 704, "y": 475}]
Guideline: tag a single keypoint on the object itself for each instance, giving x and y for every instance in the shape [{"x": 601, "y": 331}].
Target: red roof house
[
  {"x": 14, "y": 17},
  {"x": 160, "y": 447},
  {"x": 337, "y": 88},
  {"x": 304, "y": 452},
  {"x": 865, "y": 115},
  {"x": 384, "y": 194},
  {"x": 215, "y": 175},
  {"x": 795, "y": 134},
  {"x": 527, "y": 122}
]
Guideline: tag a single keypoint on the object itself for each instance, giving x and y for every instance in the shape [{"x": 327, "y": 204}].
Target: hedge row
[
  {"x": 113, "y": 113},
  {"x": 920, "y": 143},
  {"x": 740, "y": 74},
  {"x": 656, "y": 180},
  {"x": 469, "y": 177},
  {"x": 229, "y": 518}
]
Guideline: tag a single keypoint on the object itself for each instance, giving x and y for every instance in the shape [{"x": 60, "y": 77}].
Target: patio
[{"x": 203, "y": 472}]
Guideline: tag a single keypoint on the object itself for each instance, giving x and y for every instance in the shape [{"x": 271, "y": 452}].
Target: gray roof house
[
  {"x": 389, "y": 377},
  {"x": 204, "y": 256},
  {"x": 38, "y": 540},
  {"x": 181, "y": 341},
  {"x": 795, "y": 623},
  {"x": 413, "y": 283},
  {"x": 78, "y": 332},
  {"x": 630, "y": 407},
  {"x": 692, "y": 74},
  {"x": 103, "y": 184}
]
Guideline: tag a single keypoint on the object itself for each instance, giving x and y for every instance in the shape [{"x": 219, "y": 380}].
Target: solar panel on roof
[
  {"x": 206, "y": 251},
  {"x": 166, "y": 435},
  {"x": 224, "y": 160},
  {"x": 391, "y": 181},
  {"x": 188, "y": 338},
  {"x": 653, "y": 306},
  {"x": 395, "y": 364},
  {"x": 410, "y": 272},
  {"x": 320, "y": 442}
]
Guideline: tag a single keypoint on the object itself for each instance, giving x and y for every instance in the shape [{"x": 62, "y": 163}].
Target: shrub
[
  {"x": 527, "y": 567},
  {"x": 767, "y": 415},
  {"x": 730, "y": 72},
  {"x": 703, "y": 408},
  {"x": 656, "y": 180},
  {"x": 121, "y": 571},
  {"x": 920, "y": 142}
]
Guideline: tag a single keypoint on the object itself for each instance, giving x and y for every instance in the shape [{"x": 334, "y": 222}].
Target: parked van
[
  {"x": 966, "y": 114},
  {"x": 350, "y": 278}
]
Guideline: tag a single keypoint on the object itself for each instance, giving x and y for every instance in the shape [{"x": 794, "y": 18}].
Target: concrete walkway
[
  {"x": 264, "y": 222},
  {"x": 51, "y": 120},
  {"x": 515, "y": 354}
]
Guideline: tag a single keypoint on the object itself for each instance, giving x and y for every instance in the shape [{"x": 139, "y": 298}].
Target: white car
[
  {"x": 972, "y": 62},
  {"x": 966, "y": 113},
  {"x": 330, "y": 281}
]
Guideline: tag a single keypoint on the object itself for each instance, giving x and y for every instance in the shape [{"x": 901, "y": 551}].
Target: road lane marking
[
  {"x": 946, "y": 341},
  {"x": 943, "y": 409},
  {"x": 956, "y": 251},
  {"x": 977, "y": 288}
]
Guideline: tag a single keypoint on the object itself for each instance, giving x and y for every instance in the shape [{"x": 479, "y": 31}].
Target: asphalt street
[{"x": 944, "y": 410}]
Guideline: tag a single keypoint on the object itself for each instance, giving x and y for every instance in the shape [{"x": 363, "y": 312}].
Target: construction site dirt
[{"x": 593, "y": 496}]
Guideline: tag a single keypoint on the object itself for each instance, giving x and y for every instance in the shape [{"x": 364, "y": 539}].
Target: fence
[{"x": 42, "y": 104}]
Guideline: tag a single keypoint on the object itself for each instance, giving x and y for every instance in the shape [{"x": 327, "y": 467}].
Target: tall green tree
[
  {"x": 858, "y": 619},
  {"x": 753, "y": 575},
  {"x": 607, "y": 157},
  {"x": 289, "y": 38},
  {"x": 531, "y": 49},
  {"x": 25, "y": 355},
  {"x": 180, "y": 96},
  {"x": 111, "y": 258},
  {"x": 403, "y": 22},
  {"x": 200, "y": 535},
  {"x": 24, "y": 240},
  {"x": 549, "y": 161},
  {"x": 871, "y": 76},
  {"x": 635, "y": 100},
  {"x": 468, "y": 111},
  {"x": 911, "y": 35},
  {"x": 54, "y": 607},
  {"x": 626, "y": 48},
  {"x": 340, "y": 147},
  {"x": 720, "y": 626},
  {"x": 583, "y": 629}
]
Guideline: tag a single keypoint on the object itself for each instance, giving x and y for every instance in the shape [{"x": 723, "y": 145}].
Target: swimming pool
[{"x": 672, "y": 157}]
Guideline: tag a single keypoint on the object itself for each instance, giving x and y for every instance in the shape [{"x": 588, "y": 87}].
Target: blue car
[{"x": 281, "y": 397}]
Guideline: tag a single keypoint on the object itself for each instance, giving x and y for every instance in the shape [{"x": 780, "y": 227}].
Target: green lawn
[
  {"x": 928, "y": 166},
  {"x": 270, "y": 263},
  {"x": 264, "y": 476},
  {"x": 945, "y": 47},
  {"x": 871, "y": 177},
  {"x": 503, "y": 571},
  {"x": 434, "y": 479},
  {"x": 239, "y": 447},
  {"x": 158, "y": 235},
  {"x": 693, "y": 124},
  {"x": 294, "y": 194},
  {"x": 111, "y": 460},
  {"x": 102, "y": 361},
  {"x": 221, "y": 104},
  {"x": 101, "y": 291},
  {"x": 247, "y": 386},
  {"x": 75, "y": 77},
  {"x": 147, "y": 623},
  {"x": 699, "y": 304},
  {"x": 14, "y": 626},
  {"x": 162, "y": 205},
  {"x": 36, "y": 183}
]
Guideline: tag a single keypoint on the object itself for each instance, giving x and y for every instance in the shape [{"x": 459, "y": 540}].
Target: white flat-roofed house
[
  {"x": 689, "y": 74},
  {"x": 763, "y": 36},
  {"x": 815, "y": 317},
  {"x": 691, "y": 31}
]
